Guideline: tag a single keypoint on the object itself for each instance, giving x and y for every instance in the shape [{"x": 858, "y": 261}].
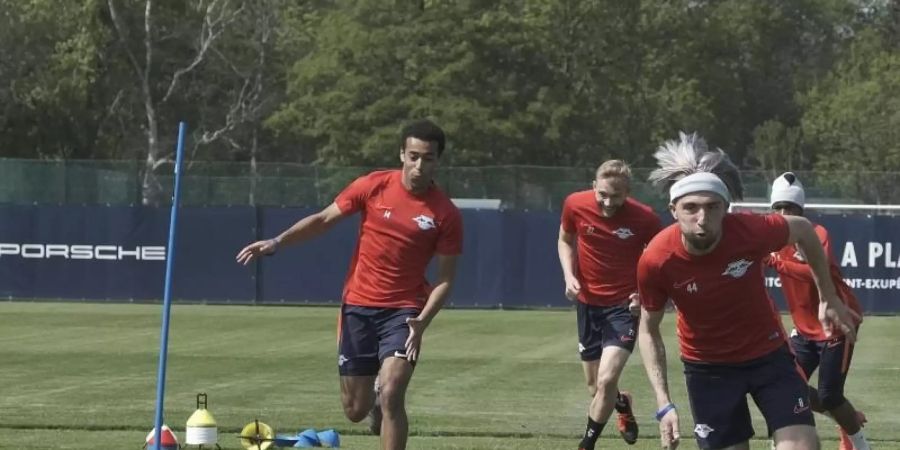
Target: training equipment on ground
[
  {"x": 308, "y": 438},
  {"x": 201, "y": 426},
  {"x": 329, "y": 438},
  {"x": 257, "y": 435},
  {"x": 167, "y": 289},
  {"x": 167, "y": 439}
]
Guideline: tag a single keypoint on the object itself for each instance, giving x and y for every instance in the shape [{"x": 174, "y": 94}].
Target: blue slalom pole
[{"x": 167, "y": 293}]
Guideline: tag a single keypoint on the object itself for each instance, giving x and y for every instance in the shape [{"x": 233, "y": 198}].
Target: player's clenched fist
[{"x": 572, "y": 288}]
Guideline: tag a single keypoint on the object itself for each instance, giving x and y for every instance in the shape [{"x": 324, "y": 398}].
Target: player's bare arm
[
  {"x": 833, "y": 313},
  {"x": 306, "y": 228},
  {"x": 653, "y": 353},
  {"x": 444, "y": 283},
  {"x": 566, "y": 248}
]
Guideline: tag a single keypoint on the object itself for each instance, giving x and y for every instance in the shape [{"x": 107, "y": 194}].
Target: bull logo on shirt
[
  {"x": 424, "y": 222},
  {"x": 623, "y": 233},
  {"x": 737, "y": 269}
]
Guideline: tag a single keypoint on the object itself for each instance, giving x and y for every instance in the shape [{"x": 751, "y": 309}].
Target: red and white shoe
[{"x": 846, "y": 444}]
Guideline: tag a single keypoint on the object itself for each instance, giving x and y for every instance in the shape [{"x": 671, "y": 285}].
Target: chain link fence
[{"x": 94, "y": 182}]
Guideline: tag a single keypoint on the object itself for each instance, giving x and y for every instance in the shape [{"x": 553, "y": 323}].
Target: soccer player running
[
  {"x": 387, "y": 302},
  {"x": 602, "y": 234},
  {"x": 732, "y": 341},
  {"x": 812, "y": 347}
]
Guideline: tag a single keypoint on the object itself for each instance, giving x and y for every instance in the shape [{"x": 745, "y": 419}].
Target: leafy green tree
[
  {"x": 53, "y": 89},
  {"x": 853, "y": 119},
  {"x": 537, "y": 82},
  {"x": 180, "y": 59},
  {"x": 778, "y": 148}
]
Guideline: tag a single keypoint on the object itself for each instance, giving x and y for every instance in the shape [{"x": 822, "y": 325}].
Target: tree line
[{"x": 801, "y": 85}]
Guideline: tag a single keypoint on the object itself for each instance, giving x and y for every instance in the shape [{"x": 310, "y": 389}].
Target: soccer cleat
[
  {"x": 626, "y": 423},
  {"x": 375, "y": 417},
  {"x": 846, "y": 444}
]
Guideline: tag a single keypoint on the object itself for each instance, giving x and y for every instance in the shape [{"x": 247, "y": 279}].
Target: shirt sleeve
[
  {"x": 353, "y": 198},
  {"x": 826, "y": 243},
  {"x": 568, "y": 217},
  {"x": 792, "y": 269},
  {"x": 800, "y": 270},
  {"x": 450, "y": 239},
  {"x": 650, "y": 287},
  {"x": 771, "y": 230}
]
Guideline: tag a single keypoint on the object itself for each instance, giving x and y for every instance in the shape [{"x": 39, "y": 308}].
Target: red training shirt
[
  {"x": 800, "y": 289},
  {"x": 608, "y": 247},
  {"x": 724, "y": 314},
  {"x": 398, "y": 235}
]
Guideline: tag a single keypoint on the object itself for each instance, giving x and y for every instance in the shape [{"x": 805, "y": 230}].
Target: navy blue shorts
[
  {"x": 832, "y": 358},
  {"x": 602, "y": 326},
  {"x": 369, "y": 335},
  {"x": 718, "y": 395}
]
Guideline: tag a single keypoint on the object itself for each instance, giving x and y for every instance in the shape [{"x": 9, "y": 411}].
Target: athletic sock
[
  {"x": 859, "y": 441},
  {"x": 621, "y": 403},
  {"x": 591, "y": 434}
]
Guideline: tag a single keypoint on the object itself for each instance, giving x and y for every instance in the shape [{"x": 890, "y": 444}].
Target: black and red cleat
[{"x": 626, "y": 423}]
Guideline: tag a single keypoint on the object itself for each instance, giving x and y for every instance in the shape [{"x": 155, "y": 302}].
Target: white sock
[{"x": 859, "y": 441}]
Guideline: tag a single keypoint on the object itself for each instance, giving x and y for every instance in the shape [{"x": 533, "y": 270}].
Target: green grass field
[{"x": 83, "y": 376}]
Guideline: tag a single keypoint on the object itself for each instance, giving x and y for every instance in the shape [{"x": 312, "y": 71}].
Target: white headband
[{"x": 699, "y": 182}]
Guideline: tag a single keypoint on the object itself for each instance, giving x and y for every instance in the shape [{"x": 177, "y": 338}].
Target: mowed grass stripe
[{"x": 485, "y": 373}]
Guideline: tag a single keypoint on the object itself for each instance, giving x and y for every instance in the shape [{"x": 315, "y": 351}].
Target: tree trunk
[
  {"x": 152, "y": 190},
  {"x": 254, "y": 149}
]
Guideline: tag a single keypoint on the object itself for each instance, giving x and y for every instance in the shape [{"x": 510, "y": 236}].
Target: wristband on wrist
[{"x": 664, "y": 410}]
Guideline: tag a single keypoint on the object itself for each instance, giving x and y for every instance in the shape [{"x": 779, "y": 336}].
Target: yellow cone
[{"x": 201, "y": 426}]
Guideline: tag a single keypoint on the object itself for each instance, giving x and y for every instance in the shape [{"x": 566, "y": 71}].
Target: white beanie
[
  {"x": 787, "y": 188},
  {"x": 699, "y": 182}
]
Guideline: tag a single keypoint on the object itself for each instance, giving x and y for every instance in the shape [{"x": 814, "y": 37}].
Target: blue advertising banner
[
  {"x": 119, "y": 253},
  {"x": 310, "y": 273},
  {"x": 867, "y": 248},
  {"x": 509, "y": 260}
]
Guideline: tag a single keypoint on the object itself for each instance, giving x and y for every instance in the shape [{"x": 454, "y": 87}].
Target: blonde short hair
[{"x": 614, "y": 168}]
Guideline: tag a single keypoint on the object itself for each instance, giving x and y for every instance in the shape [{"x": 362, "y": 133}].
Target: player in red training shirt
[
  {"x": 387, "y": 302},
  {"x": 813, "y": 348},
  {"x": 709, "y": 263},
  {"x": 601, "y": 237}
]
